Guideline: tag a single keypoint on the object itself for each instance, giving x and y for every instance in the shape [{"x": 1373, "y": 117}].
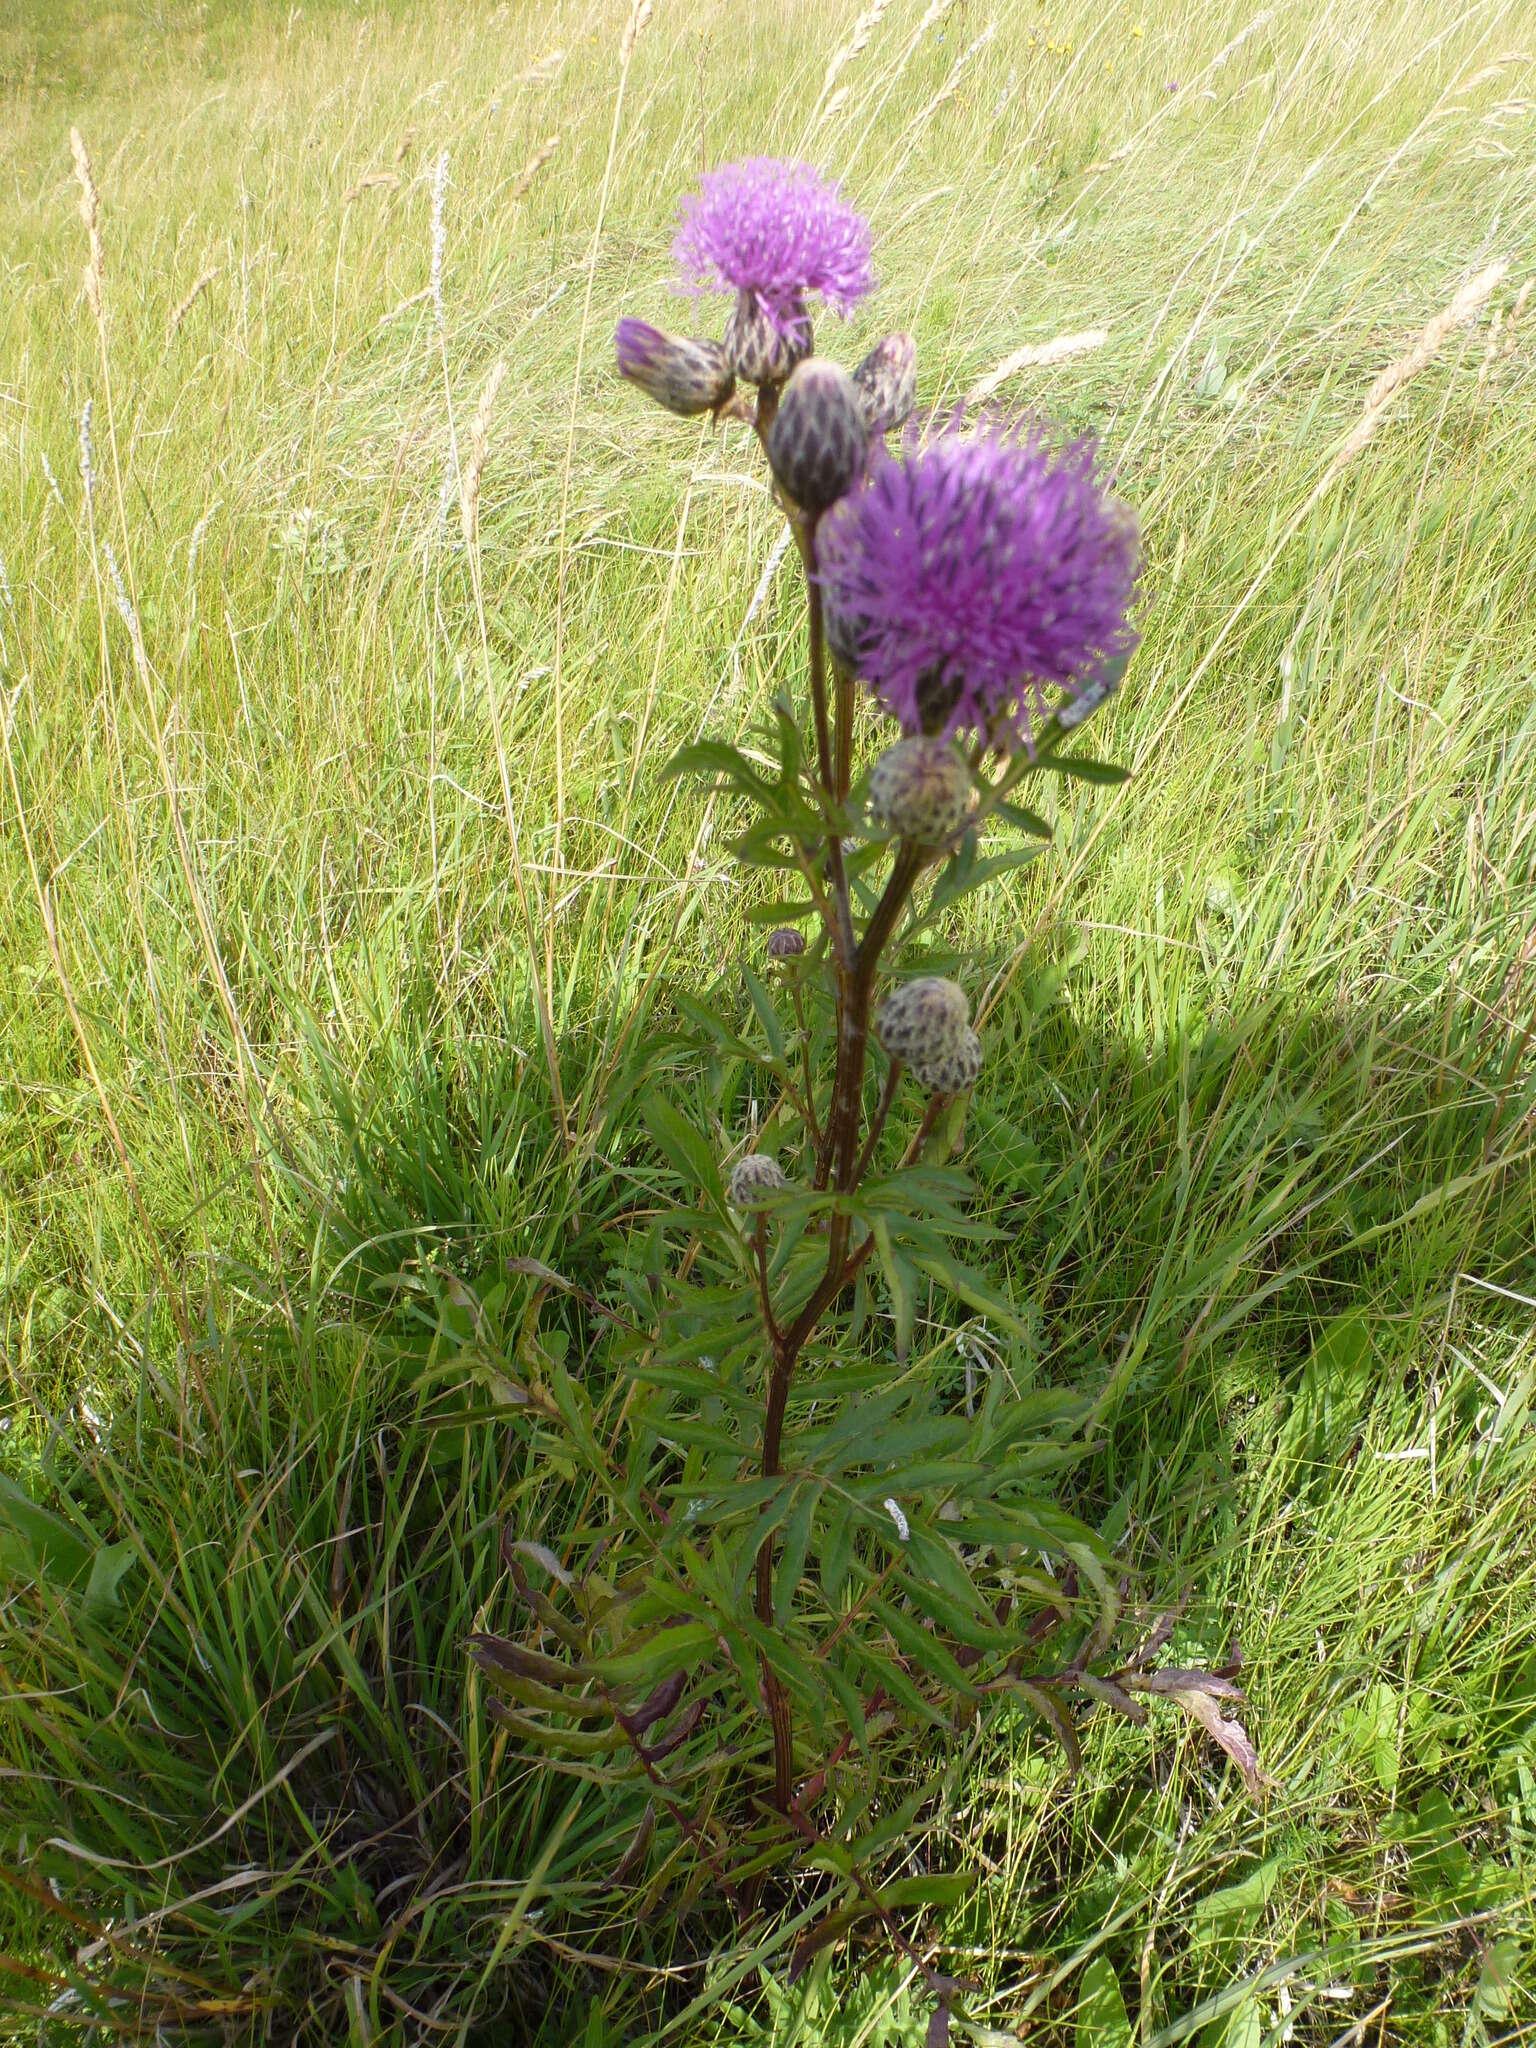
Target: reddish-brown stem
[{"x": 773, "y": 1688}]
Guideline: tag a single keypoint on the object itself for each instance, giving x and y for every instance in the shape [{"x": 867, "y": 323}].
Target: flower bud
[
  {"x": 817, "y": 442},
  {"x": 761, "y": 348},
  {"x": 921, "y": 1020},
  {"x": 845, "y": 636},
  {"x": 921, "y": 789},
  {"x": 754, "y": 1178},
  {"x": 785, "y": 944},
  {"x": 953, "y": 1071},
  {"x": 887, "y": 381},
  {"x": 685, "y": 376}
]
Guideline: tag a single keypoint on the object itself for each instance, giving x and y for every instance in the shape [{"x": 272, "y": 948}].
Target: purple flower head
[
  {"x": 964, "y": 578},
  {"x": 777, "y": 230}
]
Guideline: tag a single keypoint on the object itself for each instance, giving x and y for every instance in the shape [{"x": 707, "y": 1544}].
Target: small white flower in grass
[
  {"x": 87, "y": 451},
  {"x": 891, "y": 1508},
  {"x": 120, "y": 592}
]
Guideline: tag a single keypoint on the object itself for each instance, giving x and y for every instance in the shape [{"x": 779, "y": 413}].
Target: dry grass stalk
[
  {"x": 371, "y": 181},
  {"x": 856, "y": 44},
  {"x": 535, "y": 164},
  {"x": 545, "y": 68},
  {"x": 634, "y": 28},
  {"x": 185, "y": 306},
  {"x": 1038, "y": 355},
  {"x": 403, "y": 149},
  {"x": 479, "y": 448},
  {"x": 1465, "y": 306},
  {"x": 90, "y": 213}
]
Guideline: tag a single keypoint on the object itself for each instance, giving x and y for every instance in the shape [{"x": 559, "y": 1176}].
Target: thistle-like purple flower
[
  {"x": 774, "y": 229},
  {"x": 964, "y": 578}
]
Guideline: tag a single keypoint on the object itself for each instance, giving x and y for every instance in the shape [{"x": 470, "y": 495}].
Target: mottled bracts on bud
[
  {"x": 817, "y": 443},
  {"x": 921, "y": 789},
  {"x": 920, "y": 1021},
  {"x": 785, "y": 944},
  {"x": 953, "y": 1071},
  {"x": 763, "y": 347},
  {"x": 887, "y": 383},
  {"x": 684, "y": 375},
  {"x": 755, "y": 1179}
]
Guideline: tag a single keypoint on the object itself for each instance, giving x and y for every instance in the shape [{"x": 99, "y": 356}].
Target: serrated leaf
[
  {"x": 836, "y": 1550},
  {"x": 848, "y": 1698},
  {"x": 791, "y": 1565},
  {"x": 969, "y": 1286},
  {"x": 767, "y": 1015},
  {"x": 1026, "y": 820},
  {"x": 922, "y": 1647},
  {"x": 682, "y": 1146}
]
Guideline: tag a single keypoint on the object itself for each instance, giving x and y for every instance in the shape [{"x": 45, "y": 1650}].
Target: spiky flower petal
[
  {"x": 887, "y": 381},
  {"x": 786, "y": 943},
  {"x": 684, "y": 375},
  {"x": 953, "y": 1071},
  {"x": 921, "y": 1020},
  {"x": 921, "y": 789},
  {"x": 965, "y": 578},
  {"x": 779, "y": 231},
  {"x": 817, "y": 443}
]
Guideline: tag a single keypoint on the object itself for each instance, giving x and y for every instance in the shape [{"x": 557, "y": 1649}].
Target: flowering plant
[{"x": 809, "y": 1537}]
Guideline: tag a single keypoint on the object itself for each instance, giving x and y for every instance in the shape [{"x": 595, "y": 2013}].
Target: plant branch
[
  {"x": 760, "y": 1255},
  {"x": 893, "y": 1074}
]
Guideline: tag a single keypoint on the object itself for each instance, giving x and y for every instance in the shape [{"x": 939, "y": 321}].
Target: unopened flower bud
[
  {"x": 845, "y": 636},
  {"x": 920, "y": 1021},
  {"x": 754, "y": 1178},
  {"x": 953, "y": 1071},
  {"x": 817, "y": 442},
  {"x": 764, "y": 347},
  {"x": 785, "y": 944},
  {"x": 921, "y": 789},
  {"x": 684, "y": 375},
  {"x": 887, "y": 382}
]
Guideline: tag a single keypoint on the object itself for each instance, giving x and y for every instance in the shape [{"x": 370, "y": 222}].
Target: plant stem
[
  {"x": 760, "y": 1250},
  {"x": 893, "y": 1074}
]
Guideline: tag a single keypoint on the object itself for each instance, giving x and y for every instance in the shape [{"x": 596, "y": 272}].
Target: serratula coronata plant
[{"x": 817, "y": 1533}]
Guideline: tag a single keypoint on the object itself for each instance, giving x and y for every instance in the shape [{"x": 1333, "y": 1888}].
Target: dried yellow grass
[
  {"x": 855, "y": 46},
  {"x": 90, "y": 213},
  {"x": 371, "y": 181},
  {"x": 544, "y": 69},
  {"x": 1036, "y": 356},
  {"x": 1463, "y": 308},
  {"x": 534, "y": 165},
  {"x": 634, "y": 28},
  {"x": 479, "y": 448},
  {"x": 185, "y": 305}
]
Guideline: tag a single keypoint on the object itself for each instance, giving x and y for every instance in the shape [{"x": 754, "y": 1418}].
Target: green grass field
[{"x": 284, "y": 868}]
